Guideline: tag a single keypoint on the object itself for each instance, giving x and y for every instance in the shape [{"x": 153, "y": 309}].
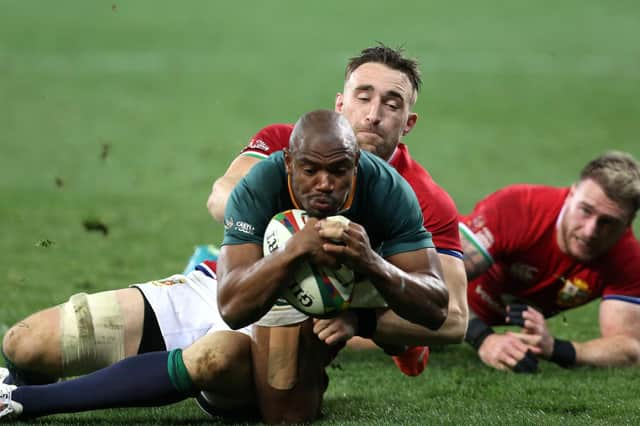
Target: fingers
[
  {"x": 507, "y": 352},
  {"x": 531, "y": 340},
  {"x": 525, "y": 316},
  {"x": 333, "y": 229},
  {"x": 528, "y": 364},
  {"x": 334, "y": 330},
  {"x": 514, "y": 314}
]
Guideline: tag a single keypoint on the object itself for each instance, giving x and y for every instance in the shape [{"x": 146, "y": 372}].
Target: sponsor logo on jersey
[
  {"x": 169, "y": 281},
  {"x": 258, "y": 144},
  {"x": 228, "y": 222},
  {"x": 574, "y": 292},
  {"x": 489, "y": 300},
  {"x": 244, "y": 227}
]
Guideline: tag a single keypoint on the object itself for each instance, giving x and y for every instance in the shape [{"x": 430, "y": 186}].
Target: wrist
[
  {"x": 367, "y": 322},
  {"x": 564, "y": 353},
  {"x": 477, "y": 332}
]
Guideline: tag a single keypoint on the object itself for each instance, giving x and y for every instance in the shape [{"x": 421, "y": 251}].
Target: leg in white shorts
[{"x": 186, "y": 306}]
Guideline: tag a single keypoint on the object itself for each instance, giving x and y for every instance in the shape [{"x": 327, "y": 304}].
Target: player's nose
[{"x": 374, "y": 113}]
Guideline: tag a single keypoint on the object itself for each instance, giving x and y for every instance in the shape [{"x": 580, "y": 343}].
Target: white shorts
[{"x": 186, "y": 307}]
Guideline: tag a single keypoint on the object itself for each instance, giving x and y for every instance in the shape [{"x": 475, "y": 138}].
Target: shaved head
[{"x": 323, "y": 127}]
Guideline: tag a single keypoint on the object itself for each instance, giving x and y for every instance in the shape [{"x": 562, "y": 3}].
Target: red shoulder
[
  {"x": 269, "y": 139},
  {"x": 438, "y": 208}
]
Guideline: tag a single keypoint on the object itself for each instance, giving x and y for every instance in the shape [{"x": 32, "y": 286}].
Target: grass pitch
[{"x": 115, "y": 118}]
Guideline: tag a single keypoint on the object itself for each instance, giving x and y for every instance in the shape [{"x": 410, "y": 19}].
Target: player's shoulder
[
  {"x": 269, "y": 139},
  {"x": 626, "y": 252},
  {"x": 374, "y": 169},
  {"x": 371, "y": 163},
  {"x": 266, "y": 171},
  {"x": 533, "y": 195},
  {"x": 423, "y": 184}
]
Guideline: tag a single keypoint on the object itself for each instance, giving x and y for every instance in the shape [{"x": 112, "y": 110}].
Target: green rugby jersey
[{"x": 384, "y": 204}]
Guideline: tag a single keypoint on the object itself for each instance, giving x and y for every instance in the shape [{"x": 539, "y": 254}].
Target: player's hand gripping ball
[{"x": 317, "y": 291}]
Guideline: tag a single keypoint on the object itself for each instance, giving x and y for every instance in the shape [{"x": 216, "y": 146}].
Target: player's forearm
[
  {"x": 392, "y": 329},
  {"x": 611, "y": 351},
  {"x": 246, "y": 294},
  {"x": 477, "y": 259},
  {"x": 454, "y": 328},
  {"x": 217, "y": 200},
  {"x": 419, "y": 297}
]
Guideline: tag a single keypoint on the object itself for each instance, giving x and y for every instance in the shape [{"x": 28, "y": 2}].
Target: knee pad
[{"x": 92, "y": 332}]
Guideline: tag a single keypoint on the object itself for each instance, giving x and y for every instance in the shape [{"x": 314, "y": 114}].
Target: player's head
[
  {"x": 321, "y": 162},
  {"x": 381, "y": 86},
  {"x": 600, "y": 206}
]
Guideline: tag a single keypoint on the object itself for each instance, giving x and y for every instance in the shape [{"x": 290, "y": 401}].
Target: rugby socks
[
  {"x": 151, "y": 379},
  {"x": 20, "y": 377}
]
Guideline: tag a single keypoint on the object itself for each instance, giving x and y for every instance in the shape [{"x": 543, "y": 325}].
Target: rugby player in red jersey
[{"x": 533, "y": 251}]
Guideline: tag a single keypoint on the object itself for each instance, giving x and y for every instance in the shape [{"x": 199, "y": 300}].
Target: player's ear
[
  {"x": 339, "y": 102},
  {"x": 411, "y": 122},
  {"x": 287, "y": 160}
]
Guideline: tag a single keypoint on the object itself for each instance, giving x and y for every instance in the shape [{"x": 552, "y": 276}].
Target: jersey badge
[
  {"x": 574, "y": 292},
  {"x": 489, "y": 300}
]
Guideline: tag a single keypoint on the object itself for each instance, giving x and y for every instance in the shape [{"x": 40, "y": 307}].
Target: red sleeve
[
  {"x": 623, "y": 266},
  {"x": 438, "y": 209},
  {"x": 441, "y": 218},
  {"x": 504, "y": 221},
  {"x": 268, "y": 140}
]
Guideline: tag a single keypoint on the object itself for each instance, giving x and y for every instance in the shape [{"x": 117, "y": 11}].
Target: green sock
[{"x": 178, "y": 373}]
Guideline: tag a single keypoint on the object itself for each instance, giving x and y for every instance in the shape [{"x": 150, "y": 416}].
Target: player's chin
[
  {"x": 368, "y": 146},
  {"x": 583, "y": 254}
]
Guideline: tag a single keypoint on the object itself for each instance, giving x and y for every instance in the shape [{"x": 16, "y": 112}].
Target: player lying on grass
[
  {"x": 324, "y": 173},
  {"x": 93, "y": 331},
  {"x": 381, "y": 88},
  {"x": 534, "y": 251}
]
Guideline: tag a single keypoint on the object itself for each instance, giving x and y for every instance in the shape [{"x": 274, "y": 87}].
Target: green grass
[{"x": 513, "y": 92}]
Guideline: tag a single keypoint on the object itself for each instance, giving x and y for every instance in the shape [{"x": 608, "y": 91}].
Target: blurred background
[{"x": 116, "y": 117}]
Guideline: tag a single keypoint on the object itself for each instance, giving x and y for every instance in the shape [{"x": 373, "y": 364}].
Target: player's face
[
  {"x": 377, "y": 102},
  {"x": 592, "y": 222},
  {"x": 321, "y": 177}
]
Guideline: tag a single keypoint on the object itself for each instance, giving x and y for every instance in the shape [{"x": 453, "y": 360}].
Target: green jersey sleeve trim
[{"x": 470, "y": 236}]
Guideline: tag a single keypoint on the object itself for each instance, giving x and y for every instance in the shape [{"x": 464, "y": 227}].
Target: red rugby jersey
[{"x": 517, "y": 225}]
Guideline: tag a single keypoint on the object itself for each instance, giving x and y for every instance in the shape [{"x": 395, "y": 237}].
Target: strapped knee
[{"x": 92, "y": 332}]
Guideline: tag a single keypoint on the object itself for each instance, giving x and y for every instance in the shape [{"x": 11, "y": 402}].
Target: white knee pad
[{"x": 92, "y": 330}]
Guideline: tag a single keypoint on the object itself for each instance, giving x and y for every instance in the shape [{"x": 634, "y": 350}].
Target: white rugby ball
[{"x": 317, "y": 291}]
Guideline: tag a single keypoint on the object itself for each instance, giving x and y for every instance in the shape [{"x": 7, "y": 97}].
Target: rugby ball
[{"x": 317, "y": 291}]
